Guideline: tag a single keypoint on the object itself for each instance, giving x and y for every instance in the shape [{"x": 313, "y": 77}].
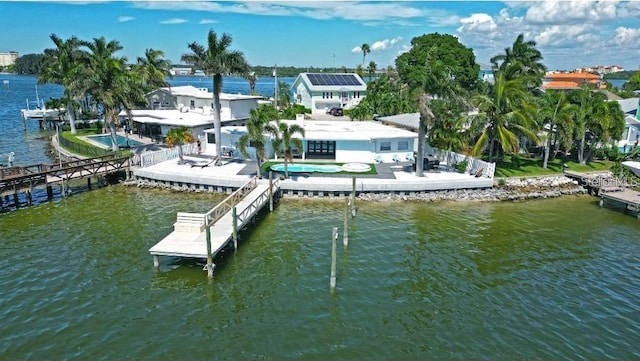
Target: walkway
[{"x": 189, "y": 238}]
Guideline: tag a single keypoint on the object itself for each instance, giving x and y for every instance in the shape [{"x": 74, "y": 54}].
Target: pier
[
  {"x": 628, "y": 197},
  {"x": 17, "y": 179},
  {"x": 203, "y": 235}
]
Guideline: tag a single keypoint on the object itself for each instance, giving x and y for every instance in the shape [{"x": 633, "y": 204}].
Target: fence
[
  {"x": 475, "y": 166},
  {"x": 151, "y": 158}
]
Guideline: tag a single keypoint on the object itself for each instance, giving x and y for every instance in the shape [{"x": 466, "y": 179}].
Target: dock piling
[
  {"x": 334, "y": 237},
  {"x": 353, "y": 197},
  {"x": 270, "y": 191},
  {"x": 345, "y": 232},
  {"x": 208, "y": 237}
]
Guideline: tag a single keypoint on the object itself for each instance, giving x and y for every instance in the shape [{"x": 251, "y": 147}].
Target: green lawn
[{"x": 533, "y": 167}]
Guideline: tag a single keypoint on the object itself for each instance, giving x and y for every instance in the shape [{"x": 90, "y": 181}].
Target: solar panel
[{"x": 333, "y": 79}]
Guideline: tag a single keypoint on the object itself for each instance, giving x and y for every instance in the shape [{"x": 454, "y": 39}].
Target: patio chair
[
  {"x": 378, "y": 158},
  {"x": 410, "y": 156},
  {"x": 396, "y": 158}
]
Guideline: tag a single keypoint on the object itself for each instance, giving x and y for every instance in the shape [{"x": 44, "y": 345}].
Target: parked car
[{"x": 336, "y": 112}]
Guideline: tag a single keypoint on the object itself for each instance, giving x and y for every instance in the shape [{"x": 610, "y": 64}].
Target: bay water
[{"x": 546, "y": 279}]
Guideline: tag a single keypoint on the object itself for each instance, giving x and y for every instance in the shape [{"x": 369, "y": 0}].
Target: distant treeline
[
  {"x": 620, "y": 75},
  {"x": 30, "y": 64}
]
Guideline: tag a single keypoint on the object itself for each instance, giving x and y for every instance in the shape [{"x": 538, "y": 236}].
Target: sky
[{"x": 569, "y": 34}]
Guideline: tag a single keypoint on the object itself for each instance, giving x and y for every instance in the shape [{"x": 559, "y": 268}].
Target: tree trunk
[
  {"x": 422, "y": 132},
  {"x": 547, "y": 146},
  {"x": 71, "y": 113},
  {"x": 114, "y": 138},
  {"x": 491, "y": 146},
  {"x": 217, "y": 85},
  {"x": 581, "y": 150},
  {"x": 286, "y": 167},
  {"x": 258, "y": 166}
]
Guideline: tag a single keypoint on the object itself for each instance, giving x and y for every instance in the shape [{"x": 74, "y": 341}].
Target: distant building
[
  {"x": 180, "y": 71},
  {"x": 569, "y": 81},
  {"x": 9, "y": 58},
  {"x": 601, "y": 69},
  {"x": 323, "y": 91}
]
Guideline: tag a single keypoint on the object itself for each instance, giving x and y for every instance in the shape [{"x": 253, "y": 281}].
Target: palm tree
[
  {"x": 284, "y": 93},
  {"x": 591, "y": 109},
  {"x": 284, "y": 140},
  {"x": 153, "y": 69},
  {"x": 505, "y": 114},
  {"x": 62, "y": 66},
  {"x": 258, "y": 119},
  {"x": 110, "y": 84},
  {"x": 365, "y": 50},
  {"x": 178, "y": 137},
  {"x": 557, "y": 113},
  {"x": 360, "y": 70},
  {"x": 371, "y": 69},
  {"x": 251, "y": 77},
  {"x": 521, "y": 59},
  {"x": 215, "y": 60}
]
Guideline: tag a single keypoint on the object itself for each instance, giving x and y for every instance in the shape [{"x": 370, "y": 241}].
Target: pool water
[
  {"x": 300, "y": 168},
  {"x": 122, "y": 141}
]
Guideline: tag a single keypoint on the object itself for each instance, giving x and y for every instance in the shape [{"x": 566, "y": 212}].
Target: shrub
[{"x": 461, "y": 166}]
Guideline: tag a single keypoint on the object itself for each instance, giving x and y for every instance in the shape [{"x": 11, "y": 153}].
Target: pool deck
[{"x": 391, "y": 178}]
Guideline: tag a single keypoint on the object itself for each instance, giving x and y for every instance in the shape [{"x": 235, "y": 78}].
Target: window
[
  {"x": 211, "y": 138},
  {"x": 385, "y": 146},
  {"x": 192, "y": 104},
  {"x": 403, "y": 145}
]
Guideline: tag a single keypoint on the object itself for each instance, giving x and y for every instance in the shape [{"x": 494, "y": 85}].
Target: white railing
[
  {"x": 474, "y": 166},
  {"x": 150, "y": 158}
]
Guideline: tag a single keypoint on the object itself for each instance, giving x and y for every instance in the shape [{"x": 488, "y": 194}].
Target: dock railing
[
  {"x": 248, "y": 212},
  {"x": 228, "y": 203},
  {"x": 474, "y": 166},
  {"x": 150, "y": 158}
]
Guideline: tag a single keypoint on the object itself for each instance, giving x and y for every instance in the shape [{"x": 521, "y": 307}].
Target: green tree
[
  {"x": 633, "y": 83},
  {"x": 557, "y": 113},
  {"x": 28, "y": 64},
  {"x": 110, "y": 84},
  {"x": 522, "y": 59},
  {"x": 360, "y": 71},
  {"x": 284, "y": 94},
  {"x": 63, "y": 65},
  {"x": 284, "y": 140},
  {"x": 449, "y": 130},
  {"x": 252, "y": 78},
  {"x": 176, "y": 137},
  {"x": 505, "y": 113},
  {"x": 366, "y": 49},
  {"x": 371, "y": 69},
  {"x": 255, "y": 136},
  {"x": 153, "y": 69},
  {"x": 217, "y": 59}
]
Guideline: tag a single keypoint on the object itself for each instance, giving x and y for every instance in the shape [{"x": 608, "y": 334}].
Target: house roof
[
  {"x": 203, "y": 93},
  {"x": 629, "y": 105},
  {"x": 173, "y": 117},
  {"x": 572, "y": 76},
  {"x": 339, "y": 130},
  {"x": 331, "y": 81},
  {"x": 407, "y": 120}
]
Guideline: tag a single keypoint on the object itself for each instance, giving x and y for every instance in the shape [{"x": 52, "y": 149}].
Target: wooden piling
[
  {"x": 89, "y": 183},
  {"x": 334, "y": 237},
  {"x": 234, "y": 216},
  {"x": 208, "y": 237},
  {"x": 353, "y": 196},
  {"x": 156, "y": 262},
  {"x": 345, "y": 231},
  {"x": 270, "y": 191},
  {"x": 49, "y": 192}
]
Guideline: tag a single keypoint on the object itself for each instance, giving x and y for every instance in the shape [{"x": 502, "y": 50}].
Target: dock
[
  {"x": 203, "y": 235},
  {"x": 628, "y": 197},
  {"x": 596, "y": 182}
]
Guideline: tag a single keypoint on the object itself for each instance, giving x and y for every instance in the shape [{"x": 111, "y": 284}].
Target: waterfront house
[
  {"x": 330, "y": 140},
  {"x": 188, "y": 106},
  {"x": 570, "y": 81},
  {"x": 323, "y": 91},
  {"x": 631, "y": 134}
]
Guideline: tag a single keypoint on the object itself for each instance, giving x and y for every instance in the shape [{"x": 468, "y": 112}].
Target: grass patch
[
  {"x": 526, "y": 167},
  {"x": 266, "y": 167}
]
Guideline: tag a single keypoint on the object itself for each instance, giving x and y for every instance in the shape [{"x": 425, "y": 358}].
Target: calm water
[{"x": 552, "y": 279}]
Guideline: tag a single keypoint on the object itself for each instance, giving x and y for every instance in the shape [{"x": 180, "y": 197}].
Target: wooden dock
[
  {"x": 195, "y": 233},
  {"x": 596, "y": 182},
  {"x": 628, "y": 197}
]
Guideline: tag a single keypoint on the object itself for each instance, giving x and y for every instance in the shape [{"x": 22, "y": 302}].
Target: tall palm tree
[
  {"x": 110, "y": 84},
  {"x": 215, "y": 60},
  {"x": 258, "y": 119},
  {"x": 62, "y": 66},
  {"x": 521, "y": 59},
  {"x": 284, "y": 93},
  {"x": 371, "y": 69},
  {"x": 153, "y": 69},
  {"x": 366, "y": 49},
  {"x": 591, "y": 109},
  {"x": 557, "y": 113},
  {"x": 176, "y": 137},
  {"x": 284, "y": 140},
  {"x": 506, "y": 114},
  {"x": 252, "y": 78}
]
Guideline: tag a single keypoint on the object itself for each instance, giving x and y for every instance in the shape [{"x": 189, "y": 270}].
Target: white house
[
  {"x": 339, "y": 141},
  {"x": 631, "y": 134},
  {"x": 323, "y": 91},
  {"x": 191, "y": 107}
]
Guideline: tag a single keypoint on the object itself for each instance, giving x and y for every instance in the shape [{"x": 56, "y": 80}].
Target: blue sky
[{"x": 570, "y": 34}]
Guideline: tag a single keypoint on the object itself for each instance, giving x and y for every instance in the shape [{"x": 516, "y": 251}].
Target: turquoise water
[
  {"x": 298, "y": 168},
  {"x": 122, "y": 141},
  {"x": 552, "y": 279}
]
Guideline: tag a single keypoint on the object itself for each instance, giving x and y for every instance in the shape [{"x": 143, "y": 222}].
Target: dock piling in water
[
  {"x": 345, "y": 232},
  {"x": 334, "y": 237}
]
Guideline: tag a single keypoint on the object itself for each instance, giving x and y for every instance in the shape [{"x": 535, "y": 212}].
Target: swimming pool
[
  {"x": 307, "y": 168},
  {"x": 105, "y": 139}
]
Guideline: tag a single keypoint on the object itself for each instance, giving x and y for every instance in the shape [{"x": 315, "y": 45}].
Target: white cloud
[
  {"x": 173, "y": 21},
  {"x": 384, "y": 45},
  {"x": 627, "y": 37},
  {"x": 208, "y": 21},
  {"x": 124, "y": 19},
  {"x": 477, "y": 23},
  {"x": 565, "y": 35},
  {"x": 576, "y": 11},
  {"x": 357, "y": 49}
]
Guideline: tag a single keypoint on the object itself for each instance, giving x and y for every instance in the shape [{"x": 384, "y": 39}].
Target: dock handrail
[
  {"x": 228, "y": 203},
  {"x": 247, "y": 212}
]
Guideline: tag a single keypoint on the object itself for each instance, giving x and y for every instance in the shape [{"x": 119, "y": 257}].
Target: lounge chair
[
  {"x": 410, "y": 156},
  {"x": 378, "y": 158},
  {"x": 396, "y": 158},
  {"x": 205, "y": 164}
]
